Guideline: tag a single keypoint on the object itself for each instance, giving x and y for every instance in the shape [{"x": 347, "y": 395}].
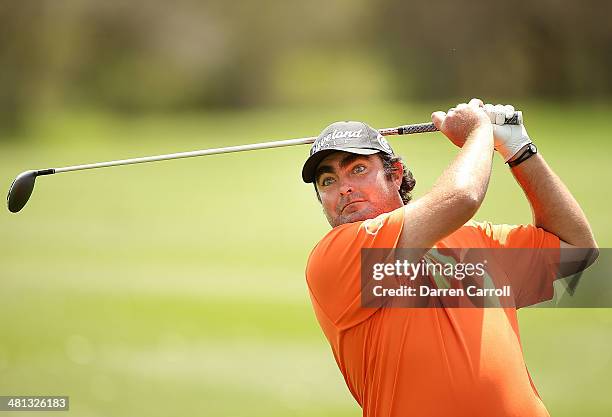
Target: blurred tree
[
  {"x": 144, "y": 55},
  {"x": 20, "y": 61},
  {"x": 545, "y": 48}
]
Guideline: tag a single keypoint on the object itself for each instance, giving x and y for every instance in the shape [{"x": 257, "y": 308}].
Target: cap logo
[
  {"x": 331, "y": 139},
  {"x": 385, "y": 145},
  {"x": 339, "y": 134}
]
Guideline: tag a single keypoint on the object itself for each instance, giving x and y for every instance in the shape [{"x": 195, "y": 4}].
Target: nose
[{"x": 346, "y": 188}]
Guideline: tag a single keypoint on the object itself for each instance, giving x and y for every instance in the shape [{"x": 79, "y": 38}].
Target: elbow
[
  {"x": 468, "y": 202},
  {"x": 471, "y": 200},
  {"x": 592, "y": 249},
  {"x": 593, "y": 255},
  {"x": 590, "y": 257}
]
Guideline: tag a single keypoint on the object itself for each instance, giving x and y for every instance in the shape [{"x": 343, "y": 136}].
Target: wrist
[
  {"x": 481, "y": 130},
  {"x": 528, "y": 151},
  {"x": 510, "y": 140},
  {"x": 517, "y": 154}
]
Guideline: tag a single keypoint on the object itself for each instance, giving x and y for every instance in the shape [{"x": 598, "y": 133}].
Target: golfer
[{"x": 430, "y": 361}]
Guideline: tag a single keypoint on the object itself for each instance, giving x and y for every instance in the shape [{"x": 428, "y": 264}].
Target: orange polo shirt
[{"x": 423, "y": 361}]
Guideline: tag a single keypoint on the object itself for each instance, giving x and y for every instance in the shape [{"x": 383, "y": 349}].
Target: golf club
[{"x": 22, "y": 187}]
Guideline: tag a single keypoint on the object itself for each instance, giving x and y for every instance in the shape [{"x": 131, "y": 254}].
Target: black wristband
[{"x": 527, "y": 153}]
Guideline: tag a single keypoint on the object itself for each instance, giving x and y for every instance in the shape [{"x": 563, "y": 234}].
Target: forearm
[
  {"x": 553, "y": 206},
  {"x": 470, "y": 171},
  {"x": 455, "y": 197}
]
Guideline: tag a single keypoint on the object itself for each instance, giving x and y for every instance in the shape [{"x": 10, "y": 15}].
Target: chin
[{"x": 357, "y": 216}]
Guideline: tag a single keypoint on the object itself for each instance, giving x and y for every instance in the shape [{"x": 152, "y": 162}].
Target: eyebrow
[{"x": 346, "y": 161}]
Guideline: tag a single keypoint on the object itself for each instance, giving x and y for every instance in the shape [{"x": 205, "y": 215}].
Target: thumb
[{"x": 437, "y": 118}]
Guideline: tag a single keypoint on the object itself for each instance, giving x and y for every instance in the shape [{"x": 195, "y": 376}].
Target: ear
[
  {"x": 317, "y": 192},
  {"x": 398, "y": 174}
]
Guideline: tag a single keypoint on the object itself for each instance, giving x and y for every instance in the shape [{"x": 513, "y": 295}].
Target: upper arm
[
  {"x": 569, "y": 259},
  {"x": 535, "y": 258}
]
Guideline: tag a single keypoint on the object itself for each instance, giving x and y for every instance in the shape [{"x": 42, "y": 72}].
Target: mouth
[{"x": 350, "y": 204}]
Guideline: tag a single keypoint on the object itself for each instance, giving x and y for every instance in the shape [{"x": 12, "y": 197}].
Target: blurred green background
[{"x": 178, "y": 288}]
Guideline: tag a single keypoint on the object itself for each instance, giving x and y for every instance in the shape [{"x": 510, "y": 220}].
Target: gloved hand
[{"x": 509, "y": 139}]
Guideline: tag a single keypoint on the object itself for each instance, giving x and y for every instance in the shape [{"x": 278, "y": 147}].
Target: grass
[{"x": 178, "y": 288}]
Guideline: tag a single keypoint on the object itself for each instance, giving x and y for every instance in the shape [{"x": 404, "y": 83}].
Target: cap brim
[{"x": 311, "y": 164}]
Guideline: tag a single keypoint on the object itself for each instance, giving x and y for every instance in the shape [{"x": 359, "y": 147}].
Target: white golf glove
[{"x": 509, "y": 139}]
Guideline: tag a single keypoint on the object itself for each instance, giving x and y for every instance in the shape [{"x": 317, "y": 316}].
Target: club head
[{"x": 20, "y": 191}]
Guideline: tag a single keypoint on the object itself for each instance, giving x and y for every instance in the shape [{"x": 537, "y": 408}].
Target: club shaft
[
  {"x": 400, "y": 130},
  {"x": 517, "y": 118},
  {"x": 190, "y": 154}
]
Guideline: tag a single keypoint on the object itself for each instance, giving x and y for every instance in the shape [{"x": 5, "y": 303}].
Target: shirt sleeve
[
  {"x": 530, "y": 259},
  {"x": 333, "y": 272}
]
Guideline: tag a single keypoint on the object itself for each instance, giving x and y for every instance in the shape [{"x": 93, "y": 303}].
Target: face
[{"x": 355, "y": 187}]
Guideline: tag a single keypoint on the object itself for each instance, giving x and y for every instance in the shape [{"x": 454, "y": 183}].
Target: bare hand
[{"x": 460, "y": 121}]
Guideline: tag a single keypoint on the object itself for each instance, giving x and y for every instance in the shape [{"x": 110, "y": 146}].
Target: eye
[
  {"x": 358, "y": 169},
  {"x": 326, "y": 181}
]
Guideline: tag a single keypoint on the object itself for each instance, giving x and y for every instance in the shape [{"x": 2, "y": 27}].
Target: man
[{"x": 429, "y": 361}]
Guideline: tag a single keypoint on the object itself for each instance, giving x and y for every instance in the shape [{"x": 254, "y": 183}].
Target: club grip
[{"x": 515, "y": 119}]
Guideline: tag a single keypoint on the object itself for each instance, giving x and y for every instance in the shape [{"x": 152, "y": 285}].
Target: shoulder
[
  {"x": 473, "y": 234},
  {"x": 342, "y": 245},
  {"x": 496, "y": 232},
  {"x": 333, "y": 273},
  {"x": 381, "y": 232},
  {"x": 488, "y": 234}
]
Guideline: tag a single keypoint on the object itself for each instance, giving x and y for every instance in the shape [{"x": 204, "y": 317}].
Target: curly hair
[
  {"x": 408, "y": 181},
  {"x": 389, "y": 165}
]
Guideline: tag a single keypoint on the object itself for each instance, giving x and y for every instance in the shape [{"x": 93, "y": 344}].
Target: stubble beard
[{"x": 361, "y": 215}]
